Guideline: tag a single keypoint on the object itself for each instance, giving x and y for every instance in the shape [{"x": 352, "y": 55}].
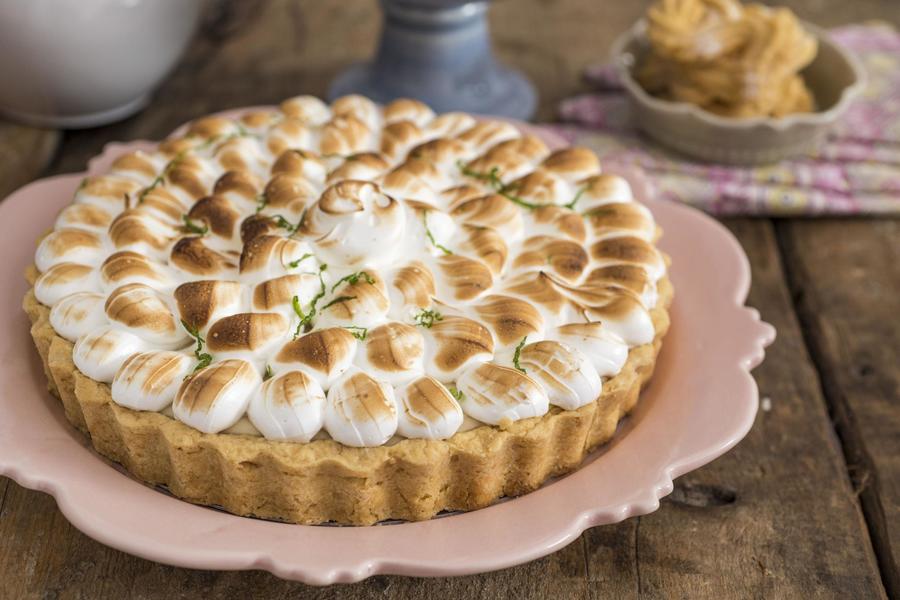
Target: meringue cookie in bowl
[{"x": 288, "y": 407}]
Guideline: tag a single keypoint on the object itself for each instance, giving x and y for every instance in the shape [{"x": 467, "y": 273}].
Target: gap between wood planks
[{"x": 859, "y": 463}]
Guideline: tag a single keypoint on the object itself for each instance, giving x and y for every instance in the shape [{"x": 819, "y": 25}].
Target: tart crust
[{"x": 324, "y": 481}]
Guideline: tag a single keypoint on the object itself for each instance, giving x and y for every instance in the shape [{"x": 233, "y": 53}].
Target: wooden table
[{"x": 808, "y": 505}]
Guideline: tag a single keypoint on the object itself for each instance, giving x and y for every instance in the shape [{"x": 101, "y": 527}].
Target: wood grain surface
[{"x": 807, "y": 506}]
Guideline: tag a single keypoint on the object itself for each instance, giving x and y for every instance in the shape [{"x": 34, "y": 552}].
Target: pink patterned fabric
[{"x": 857, "y": 172}]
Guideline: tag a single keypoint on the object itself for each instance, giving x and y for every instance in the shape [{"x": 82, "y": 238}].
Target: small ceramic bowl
[{"x": 835, "y": 78}]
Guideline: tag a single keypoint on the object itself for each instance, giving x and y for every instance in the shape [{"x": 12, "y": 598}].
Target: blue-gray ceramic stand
[{"x": 440, "y": 53}]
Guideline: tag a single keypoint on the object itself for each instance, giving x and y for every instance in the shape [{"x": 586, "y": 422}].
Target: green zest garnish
[
  {"x": 261, "y": 201},
  {"x": 456, "y": 393},
  {"x": 191, "y": 227},
  {"x": 268, "y": 374},
  {"x": 161, "y": 177},
  {"x": 517, "y": 353},
  {"x": 203, "y": 358},
  {"x": 426, "y": 317},
  {"x": 581, "y": 191},
  {"x": 443, "y": 249},
  {"x": 359, "y": 333},
  {"x": 285, "y": 224},
  {"x": 492, "y": 178},
  {"x": 353, "y": 279},
  {"x": 296, "y": 263},
  {"x": 306, "y": 318},
  {"x": 338, "y": 300}
]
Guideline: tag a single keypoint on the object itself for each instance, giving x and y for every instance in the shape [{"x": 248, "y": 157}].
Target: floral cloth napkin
[{"x": 856, "y": 172}]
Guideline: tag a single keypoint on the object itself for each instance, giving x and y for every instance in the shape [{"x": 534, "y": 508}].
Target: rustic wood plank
[
  {"x": 24, "y": 154},
  {"x": 776, "y": 516},
  {"x": 845, "y": 276}
]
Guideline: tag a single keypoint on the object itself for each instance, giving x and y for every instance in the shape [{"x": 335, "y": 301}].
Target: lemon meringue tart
[{"x": 349, "y": 313}]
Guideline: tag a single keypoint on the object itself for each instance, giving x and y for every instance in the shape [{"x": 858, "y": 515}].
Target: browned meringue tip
[
  {"x": 488, "y": 245},
  {"x": 240, "y": 183},
  {"x": 344, "y": 135},
  {"x": 394, "y": 347},
  {"x": 137, "y": 305},
  {"x": 198, "y": 301},
  {"x": 398, "y": 137},
  {"x": 245, "y": 331},
  {"x": 135, "y": 162},
  {"x": 511, "y": 319},
  {"x": 192, "y": 255},
  {"x": 295, "y": 162},
  {"x": 218, "y": 213},
  {"x": 407, "y": 109},
  {"x": 128, "y": 265},
  {"x": 284, "y": 189},
  {"x": 566, "y": 221},
  {"x": 458, "y": 340},
  {"x": 565, "y": 258},
  {"x": 212, "y": 126},
  {"x": 572, "y": 163},
  {"x": 321, "y": 349},
  {"x": 467, "y": 277},
  {"x": 416, "y": 284}
]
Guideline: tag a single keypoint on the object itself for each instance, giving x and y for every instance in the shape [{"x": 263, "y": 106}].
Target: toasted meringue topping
[
  {"x": 64, "y": 279},
  {"x": 247, "y": 335},
  {"x": 78, "y": 314},
  {"x": 269, "y": 256},
  {"x": 572, "y": 164},
  {"x": 565, "y": 258},
  {"x": 393, "y": 352},
  {"x": 466, "y": 278},
  {"x": 200, "y": 303},
  {"x": 100, "y": 353},
  {"x": 83, "y": 216},
  {"x": 360, "y": 411},
  {"x": 511, "y": 319},
  {"x": 150, "y": 380},
  {"x": 344, "y": 249},
  {"x": 354, "y": 222},
  {"x": 621, "y": 218},
  {"x": 566, "y": 374},
  {"x": 414, "y": 286},
  {"x": 493, "y": 211},
  {"x": 191, "y": 254},
  {"x": 606, "y": 350},
  {"x": 630, "y": 250},
  {"x": 69, "y": 245},
  {"x": 406, "y": 109},
  {"x": 499, "y": 395},
  {"x": 138, "y": 308},
  {"x": 323, "y": 353},
  {"x": 288, "y": 407},
  {"x": 458, "y": 342},
  {"x": 130, "y": 267},
  {"x": 216, "y": 397},
  {"x": 426, "y": 409}
]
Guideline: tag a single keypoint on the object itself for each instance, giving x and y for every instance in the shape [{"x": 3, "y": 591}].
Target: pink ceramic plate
[{"x": 701, "y": 402}]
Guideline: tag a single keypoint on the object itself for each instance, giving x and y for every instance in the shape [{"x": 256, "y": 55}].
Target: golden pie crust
[{"x": 325, "y": 481}]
